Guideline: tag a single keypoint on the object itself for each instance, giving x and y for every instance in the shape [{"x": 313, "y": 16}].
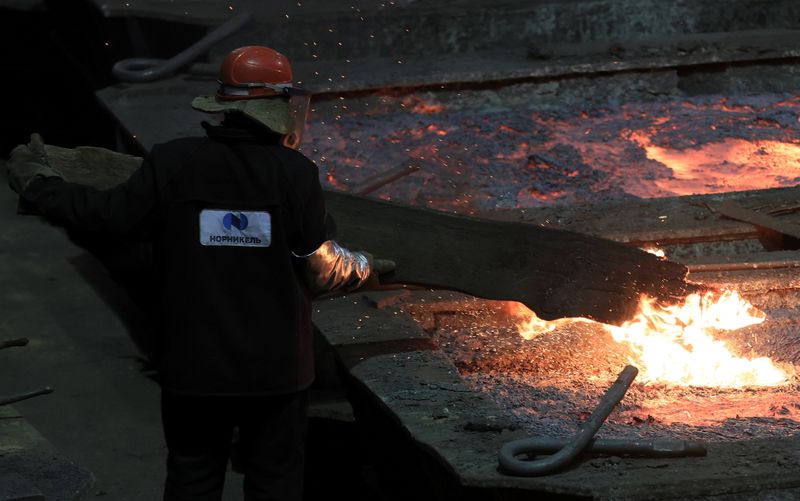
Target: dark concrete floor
[{"x": 104, "y": 413}]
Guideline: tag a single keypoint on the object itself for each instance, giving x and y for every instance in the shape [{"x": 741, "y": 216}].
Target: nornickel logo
[
  {"x": 231, "y": 220},
  {"x": 235, "y": 228}
]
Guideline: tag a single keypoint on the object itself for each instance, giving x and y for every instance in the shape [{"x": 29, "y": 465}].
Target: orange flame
[
  {"x": 674, "y": 344},
  {"x": 655, "y": 251},
  {"x": 535, "y": 326}
]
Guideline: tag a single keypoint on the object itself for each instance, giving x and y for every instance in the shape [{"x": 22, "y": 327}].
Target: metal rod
[
  {"x": 649, "y": 448},
  {"x": 384, "y": 178},
  {"x": 784, "y": 210},
  {"x": 510, "y": 464},
  {"x": 25, "y": 396},
  {"x": 22, "y": 341},
  {"x": 746, "y": 265},
  {"x": 552, "y": 162}
]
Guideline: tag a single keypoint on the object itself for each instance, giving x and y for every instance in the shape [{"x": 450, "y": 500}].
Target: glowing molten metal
[
  {"x": 729, "y": 165},
  {"x": 674, "y": 344}
]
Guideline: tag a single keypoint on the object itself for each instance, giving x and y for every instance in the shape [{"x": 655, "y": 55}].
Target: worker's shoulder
[
  {"x": 182, "y": 145},
  {"x": 293, "y": 158},
  {"x": 299, "y": 169}
]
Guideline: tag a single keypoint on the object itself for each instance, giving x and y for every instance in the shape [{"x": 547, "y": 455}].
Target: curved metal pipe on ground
[
  {"x": 507, "y": 456},
  {"x": 141, "y": 69},
  {"x": 615, "y": 447}
]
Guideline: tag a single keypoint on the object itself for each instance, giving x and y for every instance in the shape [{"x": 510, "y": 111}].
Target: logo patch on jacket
[{"x": 235, "y": 228}]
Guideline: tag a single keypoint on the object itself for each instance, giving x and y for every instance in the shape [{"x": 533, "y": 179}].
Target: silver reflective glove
[
  {"x": 332, "y": 267},
  {"x": 27, "y": 162}
]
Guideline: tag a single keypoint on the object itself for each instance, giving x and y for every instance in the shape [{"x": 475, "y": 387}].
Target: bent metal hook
[
  {"x": 140, "y": 69},
  {"x": 510, "y": 464}
]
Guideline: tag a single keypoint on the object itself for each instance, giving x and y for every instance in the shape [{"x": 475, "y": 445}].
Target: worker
[{"x": 237, "y": 221}]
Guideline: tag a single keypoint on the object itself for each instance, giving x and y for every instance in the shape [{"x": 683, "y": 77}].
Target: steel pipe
[
  {"x": 743, "y": 266},
  {"x": 141, "y": 69}
]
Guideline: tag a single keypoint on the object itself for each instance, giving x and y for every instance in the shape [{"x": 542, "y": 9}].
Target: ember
[{"x": 655, "y": 251}]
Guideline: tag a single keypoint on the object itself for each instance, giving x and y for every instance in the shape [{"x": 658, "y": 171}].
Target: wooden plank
[{"x": 556, "y": 273}]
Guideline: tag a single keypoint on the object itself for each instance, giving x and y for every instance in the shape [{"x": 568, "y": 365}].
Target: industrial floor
[{"x": 104, "y": 412}]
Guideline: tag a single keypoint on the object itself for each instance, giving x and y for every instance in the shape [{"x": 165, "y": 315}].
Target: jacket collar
[{"x": 240, "y": 132}]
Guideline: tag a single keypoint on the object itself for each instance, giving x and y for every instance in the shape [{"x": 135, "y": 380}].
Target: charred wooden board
[{"x": 556, "y": 273}]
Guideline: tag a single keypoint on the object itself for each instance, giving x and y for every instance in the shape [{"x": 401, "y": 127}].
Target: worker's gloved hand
[
  {"x": 28, "y": 161},
  {"x": 335, "y": 268}
]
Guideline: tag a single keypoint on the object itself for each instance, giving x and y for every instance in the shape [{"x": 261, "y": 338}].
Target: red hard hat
[{"x": 246, "y": 69}]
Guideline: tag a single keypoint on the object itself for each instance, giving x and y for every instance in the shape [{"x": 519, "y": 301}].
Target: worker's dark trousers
[{"x": 270, "y": 447}]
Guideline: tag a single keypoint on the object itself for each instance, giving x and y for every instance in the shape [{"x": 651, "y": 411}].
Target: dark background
[{"x": 55, "y": 58}]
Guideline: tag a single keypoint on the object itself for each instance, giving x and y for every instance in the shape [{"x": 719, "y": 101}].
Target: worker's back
[{"x": 234, "y": 315}]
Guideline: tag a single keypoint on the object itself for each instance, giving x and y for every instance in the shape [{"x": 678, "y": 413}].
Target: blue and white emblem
[
  {"x": 237, "y": 220},
  {"x": 235, "y": 228}
]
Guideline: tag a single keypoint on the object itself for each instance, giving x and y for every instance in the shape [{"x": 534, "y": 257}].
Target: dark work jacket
[{"x": 234, "y": 319}]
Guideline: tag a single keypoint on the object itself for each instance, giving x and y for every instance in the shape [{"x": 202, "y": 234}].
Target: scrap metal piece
[{"x": 513, "y": 466}]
